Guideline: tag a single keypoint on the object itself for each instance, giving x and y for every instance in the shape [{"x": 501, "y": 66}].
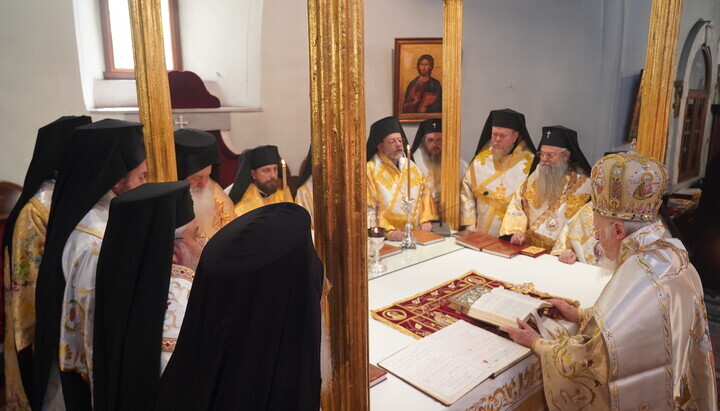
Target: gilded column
[
  {"x": 152, "y": 89},
  {"x": 451, "y": 111},
  {"x": 658, "y": 77},
  {"x": 337, "y": 109}
]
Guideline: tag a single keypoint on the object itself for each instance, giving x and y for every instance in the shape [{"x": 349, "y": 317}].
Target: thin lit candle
[
  {"x": 408, "y": 169},
  {"x": 284, "y": 167}
]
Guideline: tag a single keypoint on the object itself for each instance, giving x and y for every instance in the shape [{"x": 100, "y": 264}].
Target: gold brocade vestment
[
  {"x": 79, "y": 265},
  {"x": 387, "y": 184},
  {"x": 578, "y": 236},
  {"x": 253, "y": 199},
  {"x": 28, "y": 245},
  {"x": 304, "y": 198},
  {"x": 541, "y": 223},
  {"x": 487, "y": 189},
  {"x": 181, "y": 280},
  {"x": 224, "y": 212},
  {"x": 645, "y": 344}
]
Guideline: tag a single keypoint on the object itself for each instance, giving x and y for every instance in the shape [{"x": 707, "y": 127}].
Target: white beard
[
  {"x": 203, "y": 203},
  {"x": 607, "y": 266},
  {"x": 186, "y": 257},
  {"x": 551, "y": 182}
]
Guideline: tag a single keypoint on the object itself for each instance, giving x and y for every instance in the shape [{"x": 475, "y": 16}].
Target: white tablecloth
[{"x": 578, "y": 281}]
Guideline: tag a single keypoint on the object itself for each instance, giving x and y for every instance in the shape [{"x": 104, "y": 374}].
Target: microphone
[{"x": 440, "y": 228}]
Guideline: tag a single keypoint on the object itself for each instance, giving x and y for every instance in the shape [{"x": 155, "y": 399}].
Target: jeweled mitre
[{"x": 628, "y": 186}]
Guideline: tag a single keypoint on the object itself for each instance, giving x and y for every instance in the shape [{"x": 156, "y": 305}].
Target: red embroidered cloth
[{"x": 427, "y": 312}]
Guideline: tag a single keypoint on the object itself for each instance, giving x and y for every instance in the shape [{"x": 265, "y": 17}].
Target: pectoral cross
[
  {"x": 548, "y": 134},
  {"x": 181, "y": 122}
]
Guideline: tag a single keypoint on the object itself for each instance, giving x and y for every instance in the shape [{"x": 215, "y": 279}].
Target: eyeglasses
[
  {"x": 197, "y": 237},
  {"x": 393, "y": 141},
  {"x": 548, "y": 155},
  {"x": 433, "y": 141},
  {"x": 596, "y": 231}
]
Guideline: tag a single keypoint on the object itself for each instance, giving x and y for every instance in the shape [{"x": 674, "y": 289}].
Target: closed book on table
[
  {"x": 387, "y": 250},
  {"x": 426, "y": 238},
  {"x": 503, "y": 249},
  {"x": 377, "y": 375},
  {"x": 533, "y": 251},
  {"x": 476, "y": 241}
]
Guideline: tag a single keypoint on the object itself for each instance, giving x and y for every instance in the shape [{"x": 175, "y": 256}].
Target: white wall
[
  {"x": 284, "y": 86},
  {"x": 39, "y": 76},
  {"x": 384, "y": 21},
  {"x": 219, "y": 41}
]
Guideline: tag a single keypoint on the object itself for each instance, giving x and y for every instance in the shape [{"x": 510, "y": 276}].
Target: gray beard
[
  {"x": 433, "y": 163},
  {"x": 551, "y": 182},
  {"x": 607, "y": 266},
  {"x": 499, "y": 154},
  {"x": 203, "y": 201},
  {"x": 186, "y": 256}
]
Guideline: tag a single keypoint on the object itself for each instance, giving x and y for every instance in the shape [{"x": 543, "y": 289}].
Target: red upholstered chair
[
  {"x": 9, "y": 194},
  {"x": 187, "y": 90}
]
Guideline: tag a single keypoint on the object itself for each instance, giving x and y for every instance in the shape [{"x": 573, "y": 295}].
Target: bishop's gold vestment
[
  {"x": 488, "y": 187},
  {"x": 541, "y": 223},
  {"x": 645, "y": 344},
  {"x": 578, "y": 236},
  {"x": 387, "y": 184},
  {"x": 224, "y": 212},
  {"x": 253, "y": 199},
  {"x": 304, "y": 198},
  {"x": 28, "y": 245}
]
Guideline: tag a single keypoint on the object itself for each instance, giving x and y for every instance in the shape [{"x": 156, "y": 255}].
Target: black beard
[{"x": 268, "y": 188}]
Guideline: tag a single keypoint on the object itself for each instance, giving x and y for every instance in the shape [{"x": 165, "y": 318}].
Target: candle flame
[{"x": 282, "y": 161}]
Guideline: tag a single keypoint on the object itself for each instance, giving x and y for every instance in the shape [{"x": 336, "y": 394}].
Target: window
[
  {"x": 695, "y": 109},
  {"x": 117, "y": 38}
]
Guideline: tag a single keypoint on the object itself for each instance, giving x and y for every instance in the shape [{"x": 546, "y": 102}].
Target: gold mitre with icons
[{"x": 628, "y": 186}]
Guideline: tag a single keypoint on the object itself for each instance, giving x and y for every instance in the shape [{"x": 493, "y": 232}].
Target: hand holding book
[{"x": 524, "y": 335}]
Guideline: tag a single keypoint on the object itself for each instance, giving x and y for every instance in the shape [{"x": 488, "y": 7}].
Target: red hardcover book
[
  {"x": 476, "y": 241},
  {"x": 426, "y": 238},
  {"x": 387, "y": 250},
  {"x": 377, "y": 375},
  {"x": 503, "y": 249}
]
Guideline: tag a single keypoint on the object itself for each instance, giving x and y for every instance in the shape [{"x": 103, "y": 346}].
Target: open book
[
  {"x": 502, "y": 306},
  {"x": 449, "y": 363}
]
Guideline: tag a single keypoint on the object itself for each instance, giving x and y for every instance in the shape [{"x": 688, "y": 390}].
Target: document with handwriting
[{"x": 453, "y": 361}]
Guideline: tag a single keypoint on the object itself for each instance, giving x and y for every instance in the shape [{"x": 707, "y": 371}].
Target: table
[
  {"x": 579, "y": 281},
  {"x": 419, "y": 254}
]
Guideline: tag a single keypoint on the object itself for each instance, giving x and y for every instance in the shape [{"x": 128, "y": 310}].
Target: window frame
[
  {"x": 111, "y": 72},
  {"x": 693, "y": 126}
]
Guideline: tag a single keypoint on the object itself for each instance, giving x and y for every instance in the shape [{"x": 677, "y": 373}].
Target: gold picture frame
[{"x": 418, "y": 78}]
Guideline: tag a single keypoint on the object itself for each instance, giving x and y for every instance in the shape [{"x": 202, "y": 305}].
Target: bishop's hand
[
  {"x": 524, "y": 335},
  {"x": 567, "y": 257},
  {"x": 566, "y": 310},
  {"x": 426, "y": 226},
  {"x": 517, "y": 239},
  {"x": 396, "y": 235}
]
